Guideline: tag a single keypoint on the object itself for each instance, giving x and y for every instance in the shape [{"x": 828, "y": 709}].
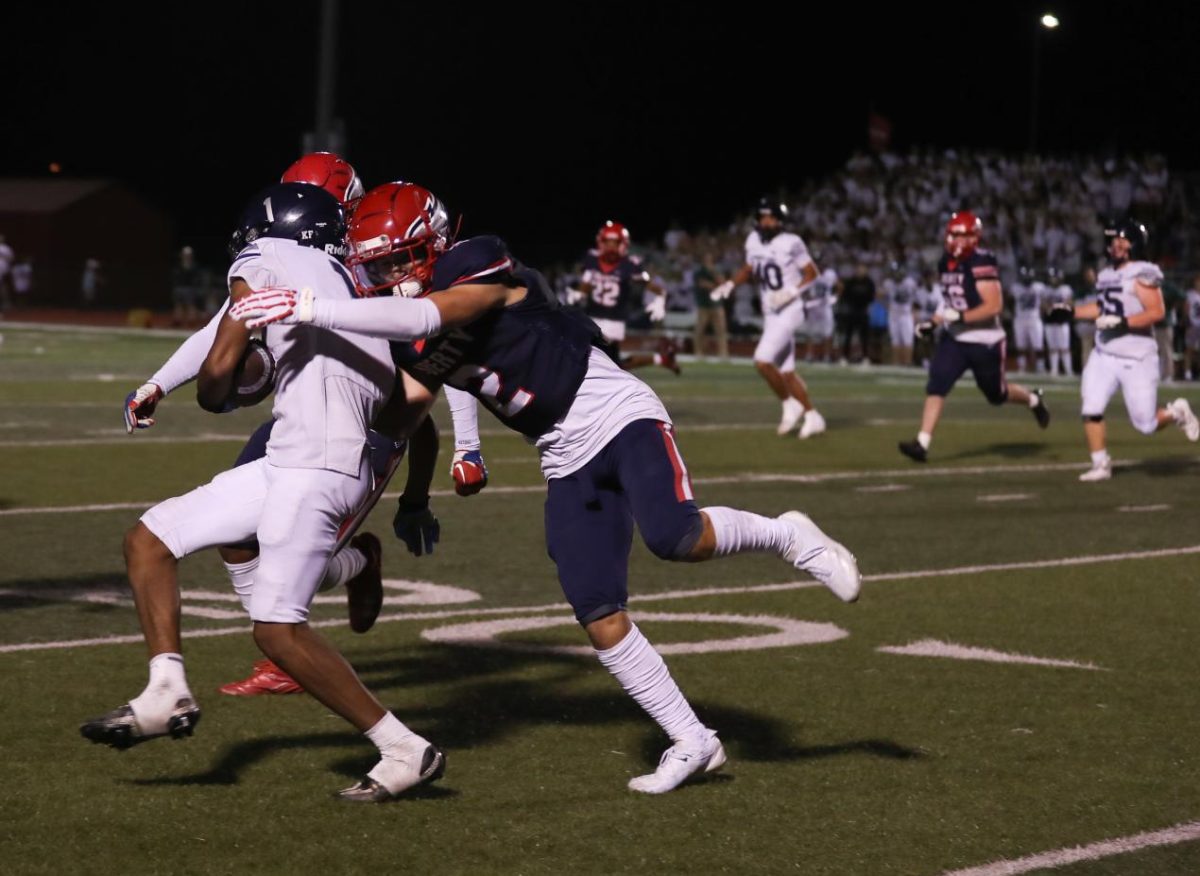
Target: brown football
[{"x": 254, "y": 379}]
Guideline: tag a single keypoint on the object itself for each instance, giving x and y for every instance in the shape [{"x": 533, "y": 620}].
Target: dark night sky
[{"x": 539, "y": 127}]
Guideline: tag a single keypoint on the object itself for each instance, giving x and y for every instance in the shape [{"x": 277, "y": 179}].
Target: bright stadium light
[{"x": 1049, "y": 21}]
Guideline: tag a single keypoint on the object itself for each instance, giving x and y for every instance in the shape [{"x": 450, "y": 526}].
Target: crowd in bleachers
[{"x": 886, "y": 213}]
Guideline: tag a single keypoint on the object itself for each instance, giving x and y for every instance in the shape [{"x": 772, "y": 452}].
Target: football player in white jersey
[
  {"x": 356, "y": 564},
  {"x": 901, "y": 298},
  {"x": 1058, "y": 329},
  {"x": 1129, "y": 303},
  {"x": 316, "y": 473},
  {"x": 1192, "y": 333},
  {"x": 781, "y": 266},
  {"x": 817, "y": 328},
  {"x": 1027, "y": 321}
]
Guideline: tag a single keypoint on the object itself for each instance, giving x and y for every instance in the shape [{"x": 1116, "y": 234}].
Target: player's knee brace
[
  {"x": 675, "y": 539},
  {"x": 1093, "y": 418}
]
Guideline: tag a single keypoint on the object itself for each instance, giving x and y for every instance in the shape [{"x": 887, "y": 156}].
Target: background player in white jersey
[
  {"x": 1128, "y": 303},
  {"x": 817, "y": 328},
  {"x": 781, "y": 266},
  {"x": 1192, "y": 331},
  {"x": 1058, "y": 328},
  {"x": 315, "y": 475},
  {"x": 900, "y": 296},
  {"x": 929, "y": 302},
  {"x": 1027, "y": 320}
]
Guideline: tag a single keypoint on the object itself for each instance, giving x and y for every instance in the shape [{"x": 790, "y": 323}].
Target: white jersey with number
[
  {"x": 1028, "y": 300},
  {"x": 1116, "y": 293},
  {"x": 1193, "y": 308},
  {"x": 778, "y": 263},
  {"x": 329, "y": 384}
]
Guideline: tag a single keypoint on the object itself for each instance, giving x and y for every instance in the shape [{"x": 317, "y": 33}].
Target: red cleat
[
  {"x": 667, "y": 349},
  {"x": 267, "y": 678},
  {"x": 364, "y": 592}
]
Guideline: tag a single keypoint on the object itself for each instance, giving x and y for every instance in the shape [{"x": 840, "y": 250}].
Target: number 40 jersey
[{"x": 778, "y": 262}]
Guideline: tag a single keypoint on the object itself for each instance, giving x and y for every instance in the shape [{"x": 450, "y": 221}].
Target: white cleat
[
  {"x": 792, "y": 412},
  {"x": 417, "y": 764},
  {"x": 679, "y": 763},
  {"x": 1185, "y": 419},
  {"x": 826, "y": 560},
  {"x": 814, "y": 424},
  {"x": 1098, "y": 472}
]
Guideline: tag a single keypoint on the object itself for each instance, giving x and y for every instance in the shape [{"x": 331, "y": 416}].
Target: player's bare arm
[
  {"x": 215, "y": 380},
  {"x": 408, "y": 405},
  {"x": 465, "y": 304},
  {"x": 1151, "y": 298}
]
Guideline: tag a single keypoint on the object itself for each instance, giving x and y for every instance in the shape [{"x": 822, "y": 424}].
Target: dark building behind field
[{"x": 61, "y": 223}]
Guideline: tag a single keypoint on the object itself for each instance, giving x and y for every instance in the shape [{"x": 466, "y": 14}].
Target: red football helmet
[
  {"x": 395, "y": 237},
  {"x": 962, "y": 234},
  {"x": 331, "y": 172},
  {"x": 612, "y": 241}
]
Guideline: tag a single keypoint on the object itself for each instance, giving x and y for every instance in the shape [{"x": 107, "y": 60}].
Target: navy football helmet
[
  {"x": 1126, "y": 229},
  {"x": 301, "y": 212},
  {"x": 768, "y": 208}
]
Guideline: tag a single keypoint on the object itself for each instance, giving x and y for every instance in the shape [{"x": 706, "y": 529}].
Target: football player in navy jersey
[
  {"x": 611, "y": 280},
  {"x": 971, "y": 335},
  {"x": 607, "y": 445}
]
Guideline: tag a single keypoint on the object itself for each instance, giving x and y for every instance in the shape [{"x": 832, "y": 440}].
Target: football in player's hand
[{"x": 254, "y": 378}]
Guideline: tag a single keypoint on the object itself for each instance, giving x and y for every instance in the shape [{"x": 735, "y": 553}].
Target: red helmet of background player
[
  {"x": 962, "y": 234},
  {"x": 395, "y": 236},
  {"x": 612, "y": 233},
  {"x": 331, "y": 172}
]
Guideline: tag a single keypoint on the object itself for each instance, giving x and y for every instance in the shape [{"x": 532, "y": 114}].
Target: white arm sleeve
[
  {"x": 465, "y": 415},
  {"x": 397, "y": 319},
  {"x": 185, "y": 362}
]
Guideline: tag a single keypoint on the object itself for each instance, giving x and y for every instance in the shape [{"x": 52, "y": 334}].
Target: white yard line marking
[
  {"x": 1180, "y": 833},
  {"x": 951, "y": 651},
  {"x": 1005, "y": 497},
  {"x": 1139, "y": 508},
  {"x": 788, "y": 632},
  {"x": 884, "y": 488},
  {"x": 748, "y": 477},
  {"x": 649, "y": 597}
]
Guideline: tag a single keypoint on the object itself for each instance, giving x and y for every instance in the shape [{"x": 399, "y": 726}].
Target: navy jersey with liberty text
[
  {"x": 613, "y": 286},
  {"x": 525, "y": 362}
]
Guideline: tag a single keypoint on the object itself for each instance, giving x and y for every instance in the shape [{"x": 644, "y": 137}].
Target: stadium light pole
[
  {"x": 1047, "y": 22},
  {"x": 323, "y": 136}
]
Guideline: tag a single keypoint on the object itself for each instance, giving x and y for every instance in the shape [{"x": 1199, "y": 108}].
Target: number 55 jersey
[{"x": 1116, "y": 294}]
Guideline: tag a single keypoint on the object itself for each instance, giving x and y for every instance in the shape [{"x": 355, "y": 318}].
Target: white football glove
[
  {"x": 656, "y": 308},
  {"x": 720, "y": 293},
  {"x": 781, "y": 298},
  {"x": 273, "y": 305},
  {"x": 140, "y": 405},
  {"x": 949, "y": 316},
  {"x": 1109, "y": 321},
  {"x": 576, "y": 296}
]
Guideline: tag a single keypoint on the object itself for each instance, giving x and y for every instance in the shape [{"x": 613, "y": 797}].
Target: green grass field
[{"x": 843, "y": 758}]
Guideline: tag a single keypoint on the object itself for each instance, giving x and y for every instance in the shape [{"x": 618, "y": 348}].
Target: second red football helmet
[
  {"x": 331, "y": 172},
  {"x": 612, "y": 241}
]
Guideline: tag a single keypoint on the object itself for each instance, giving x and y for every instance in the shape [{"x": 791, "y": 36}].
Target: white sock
[
  {"x": 924, "y": 439},
  {"x": 241, "y": 576},
  {"x": 343, "y": 566},
  {"x": 739, "y": 531},
  {"x": 644, "y": 675},
  {"x": 657, "y": 358},
  {"x": 1100, "y": 457},
  {"x": 153, "y": 706},
  {"x": 390, "y": 734},
  {"x": 792, "y": 406},
  {"x": 1033, "y": 399}
]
